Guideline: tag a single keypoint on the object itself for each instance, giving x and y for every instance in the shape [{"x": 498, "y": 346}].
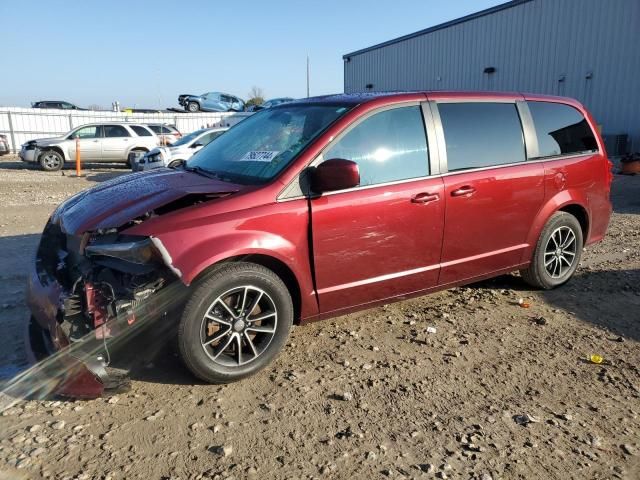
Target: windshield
[
  {"x": 257, "y": 149},
  {"x": 187, "y": 138}
]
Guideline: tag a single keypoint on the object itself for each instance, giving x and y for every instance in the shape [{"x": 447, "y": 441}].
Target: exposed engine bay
[
  {"x": 108, "y": 285},
  {"x": 103, "y": 277}
]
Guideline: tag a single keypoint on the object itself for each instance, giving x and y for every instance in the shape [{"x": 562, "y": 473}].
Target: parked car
[
  {"x": 177, "y": 153},
  {"x": 168, "y": 134},
  {"x": 211, "y": 102},
  {"x": 55, "y": 104},
  {"x": 99, "y": 142},
  {"x": 4, "y": 145},
  {"x": 323, "y": 206},
  {"x": 269, "y": 103}
]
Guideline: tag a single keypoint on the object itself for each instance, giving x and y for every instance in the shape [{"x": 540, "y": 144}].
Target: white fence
[{"x": 24, "y": 124}]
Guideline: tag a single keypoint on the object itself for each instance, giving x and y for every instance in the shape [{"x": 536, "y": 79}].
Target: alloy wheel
[
  {"x": 560, "y": 252},
  {"x": 51, "y": 160},
  {"x": 238, "y": 326}
]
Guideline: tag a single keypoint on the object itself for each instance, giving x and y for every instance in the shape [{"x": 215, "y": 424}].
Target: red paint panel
[
  {"x": 486, "y": 229},
  {"x": 376, "y": 243}
]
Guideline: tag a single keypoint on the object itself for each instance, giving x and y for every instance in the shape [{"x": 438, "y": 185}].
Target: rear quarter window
[
  {"x": 141, "y": 131},
  {"x": 561, "y": 130}
]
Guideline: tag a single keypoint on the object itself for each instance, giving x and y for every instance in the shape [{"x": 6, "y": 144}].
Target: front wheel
[
  {"x": 236, "y": 321},
  {"x": 193, "y": 107},
  {"x": 51, "y": 161},
  {"x": 557, "y": 253}
]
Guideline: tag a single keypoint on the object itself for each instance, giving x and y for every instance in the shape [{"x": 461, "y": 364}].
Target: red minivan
[{"x": 315, "y": 208}]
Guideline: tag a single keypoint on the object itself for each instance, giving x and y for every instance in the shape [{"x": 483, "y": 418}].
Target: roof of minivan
[{"x": 365, "y": 97}]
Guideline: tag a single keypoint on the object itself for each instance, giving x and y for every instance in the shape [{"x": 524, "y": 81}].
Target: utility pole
[{"x": 307, "y": 76}]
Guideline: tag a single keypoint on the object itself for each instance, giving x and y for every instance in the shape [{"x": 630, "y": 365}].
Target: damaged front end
[{"x": 89, "y": 293}]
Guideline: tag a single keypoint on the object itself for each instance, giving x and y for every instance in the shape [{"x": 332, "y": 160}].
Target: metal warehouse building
[{"x": 585, "y": 49}]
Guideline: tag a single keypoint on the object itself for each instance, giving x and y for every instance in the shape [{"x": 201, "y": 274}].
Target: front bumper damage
[{"x": 87, "y": 307}]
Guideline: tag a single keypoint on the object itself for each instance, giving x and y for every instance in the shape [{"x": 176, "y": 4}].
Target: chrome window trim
[
  {"x": 445, "y": 174},
  {"x": 366, "y": 187},
  {"x": 529, "y": 130},
  {"x": 515, "y": 164},
  {"x": 433, "y": 150},
  {"x": 568, "y": 155},
  {"x": 439, "y": 134}
]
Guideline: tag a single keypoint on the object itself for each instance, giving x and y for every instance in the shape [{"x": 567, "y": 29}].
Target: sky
[{"x": 145, "y": 53}]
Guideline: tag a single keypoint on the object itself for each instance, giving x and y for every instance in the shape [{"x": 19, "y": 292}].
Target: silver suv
[{"x": 99, "y": 142}]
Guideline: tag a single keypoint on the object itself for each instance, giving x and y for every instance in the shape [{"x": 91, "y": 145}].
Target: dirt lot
[{"x": 369, "y": 395}]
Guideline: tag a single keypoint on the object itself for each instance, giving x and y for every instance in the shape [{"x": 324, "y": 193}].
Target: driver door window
[
  {"x": 90, "y": 140},
  {"x": 388, "y": 146}
]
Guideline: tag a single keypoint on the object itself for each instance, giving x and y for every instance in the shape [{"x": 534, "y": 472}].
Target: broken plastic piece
[
  {"x": 597, "y": 359},
  {"x": 431, "y": 330}
]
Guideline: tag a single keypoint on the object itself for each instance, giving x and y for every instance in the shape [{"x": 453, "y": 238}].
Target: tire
[
  {"x": 560, "y": 239},
  {"x": 193, "y": 107},
  {"x": 209, "y": 337},
  {"x": 51, "y": 161},
  {"x": 175, "y": 163}
]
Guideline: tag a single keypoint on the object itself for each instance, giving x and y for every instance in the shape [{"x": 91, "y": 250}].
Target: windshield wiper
[{"x": 201, "y": 171}]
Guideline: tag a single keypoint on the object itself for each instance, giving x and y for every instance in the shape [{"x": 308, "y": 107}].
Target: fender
[
  {"x": 552, "y": 205},
  {"x": 189, "y": 263}
]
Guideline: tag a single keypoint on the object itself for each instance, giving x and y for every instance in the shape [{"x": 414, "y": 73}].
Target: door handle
[
  {"x": 425, "y": 198},
  {"x": 465, "y": 191}
]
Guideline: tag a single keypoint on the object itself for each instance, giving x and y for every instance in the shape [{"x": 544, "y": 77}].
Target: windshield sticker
[{"x": 259, "y": 156}]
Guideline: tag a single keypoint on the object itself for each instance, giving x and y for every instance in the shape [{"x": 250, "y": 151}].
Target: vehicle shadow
[
  {"x": 625, "y": 194},
  {"x": 583, "y": 297}
]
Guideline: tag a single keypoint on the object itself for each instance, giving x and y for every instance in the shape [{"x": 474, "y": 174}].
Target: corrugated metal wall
[
  {"x": 24, "y": 124},
  {"x": 532, "y": 46}
]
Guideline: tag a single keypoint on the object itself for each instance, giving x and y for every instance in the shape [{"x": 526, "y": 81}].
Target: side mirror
[
  {"x": 197, "y": 144},
  {"x": 335, "y": 174}
]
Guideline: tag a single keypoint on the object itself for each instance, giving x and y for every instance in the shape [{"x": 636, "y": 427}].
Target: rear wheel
[
  {"x": 51, "y": 161},
  {"x": 557, "y": 253},
  {"x": 236, "y": 321},
  {"x": 193, "y": 106}
]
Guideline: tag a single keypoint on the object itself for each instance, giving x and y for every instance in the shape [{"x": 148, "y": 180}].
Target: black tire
[
  {"x": 51, "y": 160},
  {"x": 220, "y": 362},
  {"x": 547, "y": 277},
  {"x": 193, "y": 107},
  {"x": 176, "y": 163}
]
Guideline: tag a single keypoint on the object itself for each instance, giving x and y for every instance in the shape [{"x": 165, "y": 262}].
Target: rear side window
[
  {"x": 111, "y": 131},
  {"x": 481, "y": 134},
  {"x": 561, "y": 130},
  {"x": 162, "y": 129},
  {"x": 388, "y": 146},
  {"x": 141, "y": 131}
]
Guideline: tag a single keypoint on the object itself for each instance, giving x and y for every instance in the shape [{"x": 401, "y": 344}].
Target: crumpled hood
[
  {"x": 43, "y": 142},
  {"x": 116, "y": 202}
]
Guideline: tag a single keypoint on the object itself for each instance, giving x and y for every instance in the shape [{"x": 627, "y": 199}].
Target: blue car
[
  {"x": 211, "y": 102},
  {"x": 270, "y": 103}
]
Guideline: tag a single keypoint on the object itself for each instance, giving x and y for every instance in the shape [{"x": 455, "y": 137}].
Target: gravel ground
[{"x": 498, "y": 391}]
